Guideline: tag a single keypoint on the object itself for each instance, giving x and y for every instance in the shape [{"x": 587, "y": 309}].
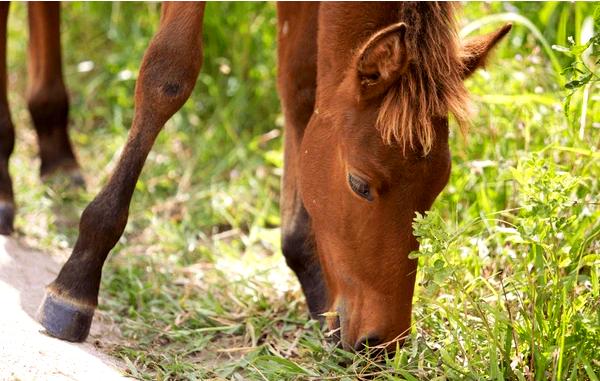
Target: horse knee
[{"x": 167, "y": 77}]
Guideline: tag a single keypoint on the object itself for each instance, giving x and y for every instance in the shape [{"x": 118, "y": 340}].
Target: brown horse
[{"x": 366, "y": 89}]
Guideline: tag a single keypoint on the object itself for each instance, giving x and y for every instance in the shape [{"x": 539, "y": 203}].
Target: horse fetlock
[
  {"x": 65, "y": 318},
  {"x": 7, "y": 217},
  {"x": 49, "y": 112},
  {"x": 48, "y": 107},
  {"x": 7, "y": 134}
]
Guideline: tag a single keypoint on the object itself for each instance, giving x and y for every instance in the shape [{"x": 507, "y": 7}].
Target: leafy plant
[
  {"x": 547, "y": 269},
  {"x": 582, "y": 73}
]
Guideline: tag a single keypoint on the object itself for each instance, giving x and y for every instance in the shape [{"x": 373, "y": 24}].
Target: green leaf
[
  {"x": 288, "y": 365},
  {"x": 576, "y": 83},
  {"x": 406, "y": 375}
]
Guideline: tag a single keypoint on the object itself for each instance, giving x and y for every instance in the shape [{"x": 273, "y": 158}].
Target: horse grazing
[{"x": 366, "y": 89}]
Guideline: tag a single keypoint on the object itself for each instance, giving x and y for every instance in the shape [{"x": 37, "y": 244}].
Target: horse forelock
[{"x": 433, "y": 84}]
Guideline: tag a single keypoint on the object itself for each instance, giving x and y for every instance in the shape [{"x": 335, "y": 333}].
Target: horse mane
[{"x": 433, "y": 84}]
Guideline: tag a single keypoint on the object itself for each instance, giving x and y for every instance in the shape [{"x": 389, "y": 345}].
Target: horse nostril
[{"x": 370, "y": 341}]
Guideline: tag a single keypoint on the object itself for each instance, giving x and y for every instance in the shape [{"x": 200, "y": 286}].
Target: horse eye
[{"x": 360, "y": 187}]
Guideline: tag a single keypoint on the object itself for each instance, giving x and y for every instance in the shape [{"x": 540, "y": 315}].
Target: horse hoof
[
  {"x": 77, "y": 179},
  {"x": 7, "y": 216},
  {"x": 70, "y": 176},
  {"x": 65, "y": 319}
]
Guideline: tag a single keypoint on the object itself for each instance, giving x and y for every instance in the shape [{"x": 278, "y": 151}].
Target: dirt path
[{"x": 25, "y": 352}]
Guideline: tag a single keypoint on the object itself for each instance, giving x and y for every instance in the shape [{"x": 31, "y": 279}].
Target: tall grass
[{"x": 508, "y": 283}]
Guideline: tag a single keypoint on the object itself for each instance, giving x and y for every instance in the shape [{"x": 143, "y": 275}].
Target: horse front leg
[
  {"x": 297, "y": 75},
  {"x": 47, "y": 97},
  {"x": 7, "y": 136},
  {"x": 167, "y": 76}
]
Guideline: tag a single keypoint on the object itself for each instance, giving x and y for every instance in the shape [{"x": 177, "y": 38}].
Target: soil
[{"x": 26, "y": 353}]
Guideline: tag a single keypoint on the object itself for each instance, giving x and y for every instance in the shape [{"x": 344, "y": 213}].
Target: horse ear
[
  {"x": 475, "y": 50},
  {"x": 381, "y": 60}
]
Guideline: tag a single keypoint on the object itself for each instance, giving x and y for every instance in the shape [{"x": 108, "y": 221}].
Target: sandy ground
[{"x": 25, "y": 352}]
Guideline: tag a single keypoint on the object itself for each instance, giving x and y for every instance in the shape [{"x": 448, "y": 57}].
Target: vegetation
[{"x": 508, "y": 284}]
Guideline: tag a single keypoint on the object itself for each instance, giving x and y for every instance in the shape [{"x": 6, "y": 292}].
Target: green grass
[{"x": 508, "y": 284}]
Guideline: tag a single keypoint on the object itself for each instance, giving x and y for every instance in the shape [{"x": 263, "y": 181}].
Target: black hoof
[
  {"x": 65, "y": 319},
  {"x": 7, "y": 217}
]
